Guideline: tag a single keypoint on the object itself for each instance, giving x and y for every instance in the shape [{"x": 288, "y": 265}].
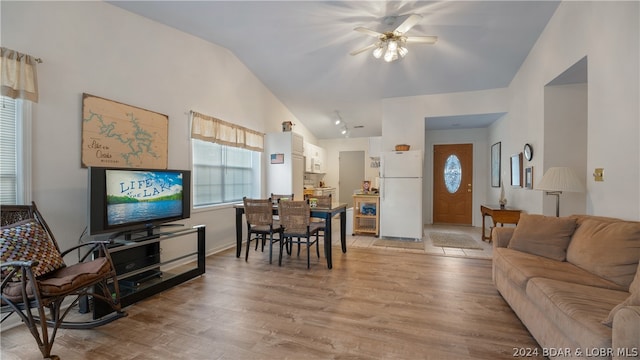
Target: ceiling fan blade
[
  {"x": 422, "y": 39},
  {"x": 410, "y": 22},
  {"x": 356, "y": 52},
  {"x": 368, "y": 31}
]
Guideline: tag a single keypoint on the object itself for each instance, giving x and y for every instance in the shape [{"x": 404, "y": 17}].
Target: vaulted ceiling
[{"x": 300, "y": 50}]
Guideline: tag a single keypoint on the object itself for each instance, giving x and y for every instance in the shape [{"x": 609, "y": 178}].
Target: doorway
[
  {"x": 452, "y": 184},
  {"x": 566, "y": 127},
  {"x": 350, "y": 174}
]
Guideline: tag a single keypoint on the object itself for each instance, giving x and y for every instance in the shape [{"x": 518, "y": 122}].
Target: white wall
[
  {"x": 608, "y": 34},
  {"x": 565, "y": 142},
  {"x": 102, "y": 50}
]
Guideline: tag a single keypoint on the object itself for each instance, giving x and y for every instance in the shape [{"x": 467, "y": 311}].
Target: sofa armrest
[
  {"x": 625, "y": 337},
  {"x": 501, "y": 236}
]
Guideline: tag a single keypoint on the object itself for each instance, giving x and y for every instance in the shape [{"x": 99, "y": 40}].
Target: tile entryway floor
[{"x": 474, "y": 232}]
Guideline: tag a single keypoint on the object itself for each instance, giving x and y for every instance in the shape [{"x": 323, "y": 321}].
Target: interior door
[
  {"x": 452, "y": 184},
  {"x": 351, "y": 174}
]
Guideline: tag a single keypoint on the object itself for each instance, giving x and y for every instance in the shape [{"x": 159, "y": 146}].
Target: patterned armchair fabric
[{"x": 28, "y": 241}]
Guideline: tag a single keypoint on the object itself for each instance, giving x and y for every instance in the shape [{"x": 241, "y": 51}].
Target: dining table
[{"x": 326, "y": 213}]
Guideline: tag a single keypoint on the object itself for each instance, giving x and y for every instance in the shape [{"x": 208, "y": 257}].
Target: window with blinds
[
  {"x": 223, "y": 174},
  {"x": 8, "y": 151}
]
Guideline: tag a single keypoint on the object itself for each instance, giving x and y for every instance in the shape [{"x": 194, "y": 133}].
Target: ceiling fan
[{"x": 392, "y": 44}]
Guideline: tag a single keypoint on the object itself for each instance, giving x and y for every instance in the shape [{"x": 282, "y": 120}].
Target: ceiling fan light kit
[
  {"x": 391, "y": 48},
  {"x": 391, "y": 45}
]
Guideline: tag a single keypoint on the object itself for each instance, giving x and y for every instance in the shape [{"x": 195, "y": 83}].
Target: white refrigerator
[{"x": 401, "y": 194}]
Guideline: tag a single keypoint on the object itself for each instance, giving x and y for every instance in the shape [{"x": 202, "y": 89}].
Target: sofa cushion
[
  {"x": 520, "y": 267},
  {"x": 632, "y": 300},
  {"x": 576, "y": 310},
  {"x": 543, "y": 235},
  {"x": 609, "y": 248}
]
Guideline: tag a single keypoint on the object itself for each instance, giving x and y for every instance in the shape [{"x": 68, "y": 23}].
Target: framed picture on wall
[
  {"x": 516, "y": 170},
  {"x": 528, "y": 177},
  {"x": 495, "y": 164},
  {"x": 277, "y": 158}
]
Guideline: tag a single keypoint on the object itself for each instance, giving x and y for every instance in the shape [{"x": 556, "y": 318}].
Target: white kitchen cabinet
[
  {"x": 315, "y": 159},
  {"x": 285, "y": 176},
  {"x": 307, "y": 164},
  {"x": 322, "y": 157},
  {"x": 308, "y": 150}
]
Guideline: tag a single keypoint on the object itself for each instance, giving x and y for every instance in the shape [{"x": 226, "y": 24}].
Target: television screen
[{"x": 129, "y": 199}]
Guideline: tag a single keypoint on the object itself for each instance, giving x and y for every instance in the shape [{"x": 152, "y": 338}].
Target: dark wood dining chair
[
  {"x": 260, "y": 223},
  {"x": 295, "y": 218},
  {"x": 35, "y": 277}
]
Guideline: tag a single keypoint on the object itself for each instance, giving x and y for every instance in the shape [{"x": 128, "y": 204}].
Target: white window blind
[
  {"x": 223, "y": 174},
  {"x": 8, "y": 151}
]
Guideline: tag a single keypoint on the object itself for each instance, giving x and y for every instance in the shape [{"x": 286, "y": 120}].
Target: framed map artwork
[{"x": 120, "y": 135}]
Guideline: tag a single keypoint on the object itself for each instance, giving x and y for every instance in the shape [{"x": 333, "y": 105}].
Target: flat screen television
[{"x": 136, "y": 199}]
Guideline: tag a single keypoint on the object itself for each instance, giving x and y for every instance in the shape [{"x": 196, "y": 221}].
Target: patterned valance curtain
[
  {"x": 210, "y": 129},
  {"x": 18, "y": 75}
]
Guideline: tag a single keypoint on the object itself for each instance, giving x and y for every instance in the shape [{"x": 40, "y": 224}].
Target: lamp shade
[{"x": 560, "y": 179}]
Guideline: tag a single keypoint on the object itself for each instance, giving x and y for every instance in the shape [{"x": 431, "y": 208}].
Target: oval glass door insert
[{"x": 452, "y": 173}]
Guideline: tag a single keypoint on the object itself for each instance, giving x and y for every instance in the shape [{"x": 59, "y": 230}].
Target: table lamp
[{"x": 559, "y": 179}]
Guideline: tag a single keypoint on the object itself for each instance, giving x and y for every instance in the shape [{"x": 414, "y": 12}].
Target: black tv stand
[
  {"x": 140, "y": 269},
  {"x": 140, "y": 279}
]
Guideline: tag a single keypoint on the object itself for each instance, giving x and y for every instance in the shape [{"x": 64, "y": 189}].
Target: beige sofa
[{"x": 574, "y": 283}]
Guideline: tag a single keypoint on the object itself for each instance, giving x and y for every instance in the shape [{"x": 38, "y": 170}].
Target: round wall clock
[{"x": 528, "y": 152}]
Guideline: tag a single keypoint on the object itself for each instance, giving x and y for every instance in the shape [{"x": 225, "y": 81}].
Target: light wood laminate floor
[{"x": 374, "y": 304}]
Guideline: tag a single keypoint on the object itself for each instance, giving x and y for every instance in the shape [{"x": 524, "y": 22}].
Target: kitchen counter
[{"x": 320, "y": 191}]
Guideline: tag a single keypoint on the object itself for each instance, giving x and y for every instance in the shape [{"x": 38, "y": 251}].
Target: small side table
[{"x": 499, "y": 216}]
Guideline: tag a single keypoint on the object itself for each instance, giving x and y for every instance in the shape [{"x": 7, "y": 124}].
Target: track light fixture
[
  {"x": 338, "y": 120},
  {"x": 344, "y": 129}
]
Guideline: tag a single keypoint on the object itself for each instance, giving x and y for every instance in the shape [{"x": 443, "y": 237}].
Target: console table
[{"x": 499, "y": 216}]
